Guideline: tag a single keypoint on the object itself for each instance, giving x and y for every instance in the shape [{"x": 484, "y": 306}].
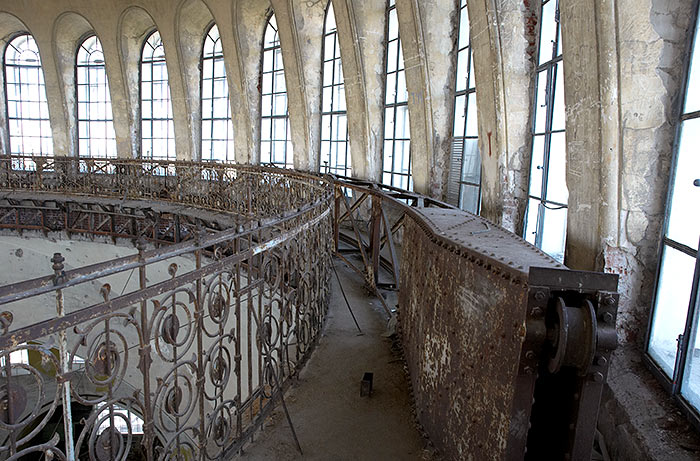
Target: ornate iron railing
[{"x": 184, "y": 366}]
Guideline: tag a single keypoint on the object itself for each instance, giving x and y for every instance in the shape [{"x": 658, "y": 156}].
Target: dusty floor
[{"x": 331, "y": 420}]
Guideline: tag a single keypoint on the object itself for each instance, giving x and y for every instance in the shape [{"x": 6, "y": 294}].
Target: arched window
[
  {"x": 674, "y": 339},
  {"x": 95, "y": 124},
  {"x": 334, "y": 121},
  {"x": 275, "y": 140},
  {"x": 464, "y": 185},
  {"x": 217, "y": 129},
  {"x": 25, "y": 93},
  {"x": 396, "y": 166},
  {"x": 545, "y": 221},
  {"x": 157, "y": 130}
]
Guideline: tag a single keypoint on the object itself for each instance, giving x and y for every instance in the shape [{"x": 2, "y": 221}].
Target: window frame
[
  {"x": 23, "y": 165},
  {"x": 230, "y": 145},
  {"x": 552, "y": 66},
  {"x": 288, "y": 155},
  {"x": 330, "y": 168},
  {"x": 108, "y": 104},
  {"x": 147, "y": 36},
  {"x": 394, "y": 106},
  {"x": 673, "y": 384}
]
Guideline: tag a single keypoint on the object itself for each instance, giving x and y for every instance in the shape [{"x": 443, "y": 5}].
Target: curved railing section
[{"x": 183, "y": 363}]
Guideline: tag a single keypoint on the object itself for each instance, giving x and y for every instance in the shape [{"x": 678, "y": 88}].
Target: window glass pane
[
  {"x": 463, "y": 28},
  {"x": 537, "y": 166},
  {"x": 390, "y": 88},
  {"x": 401, "y": 92},
  {"x": 462, "y": 70},
  {"x": 472, "y": 121},
  {"x": 393, "y": 25},
  {"x": 403, "y": 130},
  {"x": 531, "y": 217},
  {"x": 469, "y": 198},
  {"x": 471, "y": 162},
  {"x": 556, "y": 176},
  {"x": 684, "y": 219},
  {"x": 541, "y": 102},
  {"x": 460, "y": 116},
  {"x": 559, "y": 116},
  {"x": 671, "y": 308},
  {"x": 548, "y": 31},
  {"x": 392, "y": 56},
  {"x": 554, "y": 234}
]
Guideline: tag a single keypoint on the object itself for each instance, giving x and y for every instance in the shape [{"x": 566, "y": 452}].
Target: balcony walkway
[{"x": 332, "y": 421}]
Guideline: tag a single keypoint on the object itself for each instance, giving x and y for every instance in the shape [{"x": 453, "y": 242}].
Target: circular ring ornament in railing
[
  {"x": 20, "y": 410},
  {"x": 176, "y": 394},
  {"x": 223, "y": 426},
  {"x": 173, "y": 325},
  {"x": 217, "y": 367}
]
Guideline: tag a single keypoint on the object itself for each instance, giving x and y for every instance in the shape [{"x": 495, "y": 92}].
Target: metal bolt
[
  {"x": 608, "y": 317},
  {"x": 539, "y": 296},
  {"x": 528, "y": 370},
  {"x": 598, "y": 377},
  {"x": 536, "y": 312},
  {"x": 602, "y": 361},
  {"x": 610, "y": 300},
  {"x": 529, "y": 355}
]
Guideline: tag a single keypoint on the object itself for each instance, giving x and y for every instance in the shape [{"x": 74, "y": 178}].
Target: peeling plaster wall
[
  {"x": 502, "y": 35},
  {"x": 369, "y": 25},
  {"x": 428, "y": 35},
  {"x": 653, "y": 38}
]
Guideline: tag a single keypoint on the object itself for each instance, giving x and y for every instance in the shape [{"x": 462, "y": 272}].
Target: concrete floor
[{"x": 331, "y": 420}]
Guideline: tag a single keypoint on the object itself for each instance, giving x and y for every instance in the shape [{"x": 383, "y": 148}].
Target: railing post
[
  {"x": 145, "y": 359},
  {"x": 57, "y": 265},
  {"x": 336, "y": 216},
  {"x": 375, "y": 234}
]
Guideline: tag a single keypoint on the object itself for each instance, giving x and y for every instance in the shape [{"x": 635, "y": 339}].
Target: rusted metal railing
[{"x": 179, "y": 366}]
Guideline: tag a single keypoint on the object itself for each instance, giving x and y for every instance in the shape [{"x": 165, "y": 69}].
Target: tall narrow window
[
  {"x": 545, "y": 221},
  {"x": 217, "y": 129},
  {"x": 157, "y": 130},
  {"x": 396, "y": 169},
  {"x": 334, "y": 121},
  {"x": 95, "y": 125},
  {"x": 464, "y": 187},
  {"x": 674, "y": 339},
  {"x": 275, "y": 140},
  {"x": 25, "y": 91}
]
